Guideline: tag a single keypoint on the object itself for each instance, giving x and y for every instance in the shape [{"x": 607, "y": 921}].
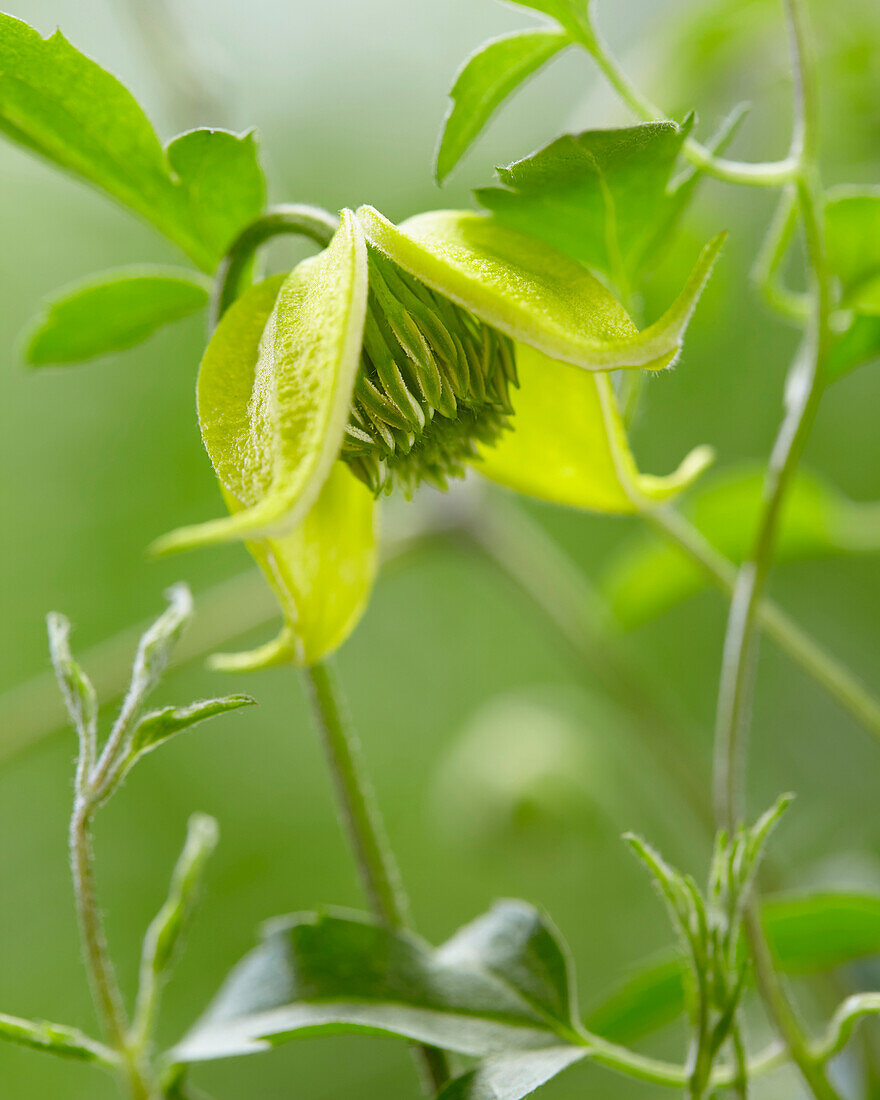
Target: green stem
[
  {"x": 102, "y": 975},
  {"x": 656, "y": 1072},
  {"x": 840, "y": 1029},
  {"x": 298, "y": 220},
  {"x": 736, "y": 687},
  {"x": 791, "y": 305},
  {"x": 366, "y": 833},
  {"x": 804, "y": 395},
  {"x": 782, "y": 1013},
  {"x": 768, "y": 174},
  {"x": 356, "y": 799},
  {"x": 740, "y": 1082},
  {"x": 822, "y": 666}
]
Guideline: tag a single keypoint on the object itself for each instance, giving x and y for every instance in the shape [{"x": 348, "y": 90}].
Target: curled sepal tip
[
  {"x": 570, "y": 447},
  {"x": 280, "y": 651},
  {"x": 321, "y": 574},
  {"x": 530, "y": 291},
  {"x": 273, "y": 422}
]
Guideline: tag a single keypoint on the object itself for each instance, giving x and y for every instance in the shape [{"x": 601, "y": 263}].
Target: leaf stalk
[
  {"x": 284, "y": 220},
  {"x": 747, "y": 174}
]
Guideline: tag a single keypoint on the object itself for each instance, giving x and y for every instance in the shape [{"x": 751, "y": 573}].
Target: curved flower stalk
[{"x": 401, "y": 355}]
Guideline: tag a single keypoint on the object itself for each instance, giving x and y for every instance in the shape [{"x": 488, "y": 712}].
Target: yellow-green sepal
[
  {"x": 321, "y": 574},
  {"x": 525, "y": 288},
  {"x": 568, "y": 445},
  {"x": 273, "y": 417}
]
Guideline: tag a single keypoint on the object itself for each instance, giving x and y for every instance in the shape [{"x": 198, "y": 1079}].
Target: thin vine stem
[
  {"x": 737, "y": 680},
  {"x": 654, "y": 1071},
  {"x": 299, "y": 220},
  {"x": 804, "y": 392},
  {"x": 790, "y": 304},
  {"x": 376, "y": 864},
  {"x": 102, "y": 974}
]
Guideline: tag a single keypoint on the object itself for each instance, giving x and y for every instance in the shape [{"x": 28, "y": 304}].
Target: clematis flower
[{"x": 402, "y": 355}]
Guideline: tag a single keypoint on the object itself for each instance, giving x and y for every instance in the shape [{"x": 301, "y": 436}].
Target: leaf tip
[
  {"x": 57, "y": 624},
  {"x": 204, "y": 829},
  {"x": 280, "y": 650}
]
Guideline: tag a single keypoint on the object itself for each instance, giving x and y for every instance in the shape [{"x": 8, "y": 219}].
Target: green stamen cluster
[{"x": 433, "y": 384}]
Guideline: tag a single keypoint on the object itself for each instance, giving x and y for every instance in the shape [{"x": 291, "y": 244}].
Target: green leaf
[
  {"x": 809, "y": 934},
  {"x": 599, "y": 196},
  {"x": 857, "y": 345},
  {"x": 221, "y": 174},
  {"x": 59, "y": 104},
  {"x": 852, "y": 218},
  {"x": 66, "y": 1042},
  {"x": 852, "y": 227},
  {"x": 76, "y": 688},
  {"x": 568, "y": 444},
  {"x": 513, "y": 1076},
  {"x": 648, "y": 577},
  {"x": 486, "y": 79},
  {"x": 816, "y": 932},
  {"x": 110, "y": 312},
  {"x": 532, "y": 292},
  {"x": 154, "y": 651},
  {"x": 159, "y": 725},
  {"x": 158, "y": 642},
  {"x": 273, "y": 425},
  {"x": 499, "y": 989},
  {"x": 651, "y": 998},
  {"x": 684, "y": 905},
  {"x": 707, "y": 924},
  {"x": 519, "y": 945},
  {"x": 166, "y": 929},
  {"x": 163, "y": 938},
  {"x": 323, "y": 974}
]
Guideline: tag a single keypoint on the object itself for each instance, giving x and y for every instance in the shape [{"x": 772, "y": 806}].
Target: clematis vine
[{"x": 402, "y": 355}]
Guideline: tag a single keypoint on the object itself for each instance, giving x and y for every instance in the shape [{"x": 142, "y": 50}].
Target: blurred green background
[{"x": 98, "y": 460}]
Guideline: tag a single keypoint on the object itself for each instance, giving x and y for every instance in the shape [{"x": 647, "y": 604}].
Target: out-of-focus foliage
[
  {"x": 648, "y": 577},
  {"x": 809, "y": 934},
  {"x": 111, "y": 312}
]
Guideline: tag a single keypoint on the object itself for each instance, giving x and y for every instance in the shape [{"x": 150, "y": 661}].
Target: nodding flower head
[{"x": 398, "y": 356}]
